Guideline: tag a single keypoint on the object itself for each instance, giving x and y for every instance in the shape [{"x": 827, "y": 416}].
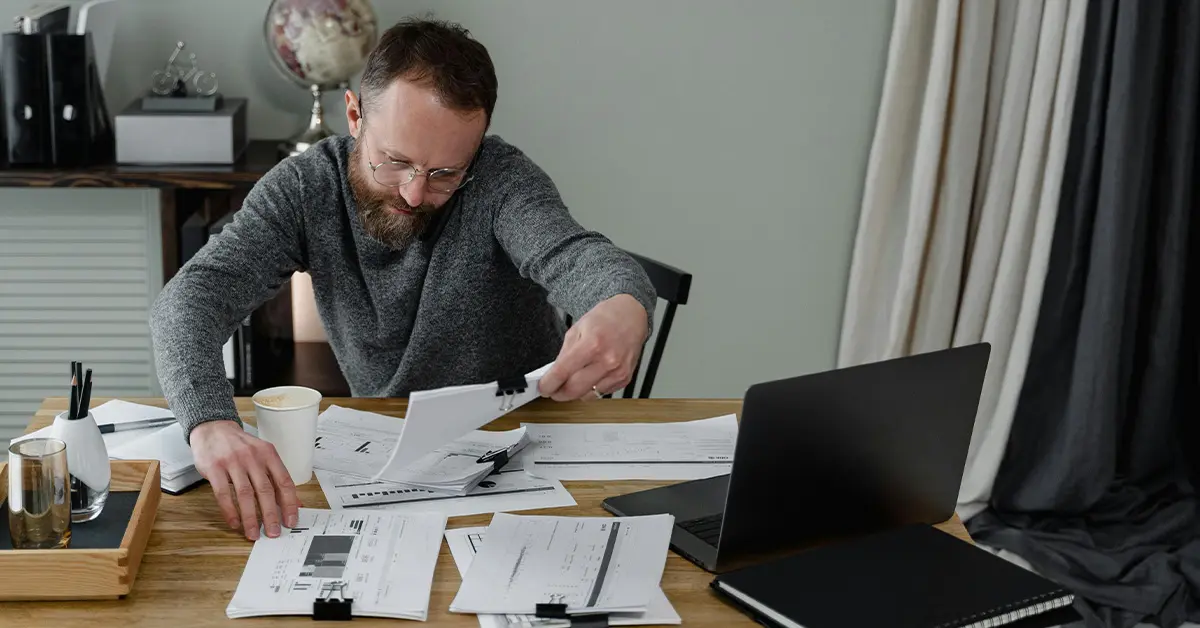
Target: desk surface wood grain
[{"x": 193, "y": 561}]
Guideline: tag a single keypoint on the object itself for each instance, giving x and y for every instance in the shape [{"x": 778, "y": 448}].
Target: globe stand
[{"x": 316, "y": 131}]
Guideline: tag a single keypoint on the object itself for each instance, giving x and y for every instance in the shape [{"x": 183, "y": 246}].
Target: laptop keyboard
[{"x": 708, "y": 529}]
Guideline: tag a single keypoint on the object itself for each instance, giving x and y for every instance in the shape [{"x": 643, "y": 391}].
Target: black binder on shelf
[
  {"x": 80, "y": 128},
  {"x": 25, "y": 92},
  {"x": 910, "y": 577}
]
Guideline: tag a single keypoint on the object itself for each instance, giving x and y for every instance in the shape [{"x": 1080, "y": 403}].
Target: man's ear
[{"x": 353, "y": 114}]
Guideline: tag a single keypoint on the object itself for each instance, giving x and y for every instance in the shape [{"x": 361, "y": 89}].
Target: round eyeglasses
[{"x": 398, "y": 173}]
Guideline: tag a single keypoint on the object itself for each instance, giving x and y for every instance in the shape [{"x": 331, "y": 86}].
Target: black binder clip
[
  {"x": 508, "y": 389},
  {"x": 328, "y": 608},
  {"x": 498, "y": 458},
  {"x": 559, "y": 611}
]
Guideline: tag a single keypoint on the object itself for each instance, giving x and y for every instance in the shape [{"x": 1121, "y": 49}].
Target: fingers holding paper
[
  {"x": 247, "y": 476},
  {"x": 599, "y": 352}
]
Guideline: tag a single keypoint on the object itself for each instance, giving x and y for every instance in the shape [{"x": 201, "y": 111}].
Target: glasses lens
[
  {"x": 393, "y": 174},
  {"x": 447, "y": 180}
]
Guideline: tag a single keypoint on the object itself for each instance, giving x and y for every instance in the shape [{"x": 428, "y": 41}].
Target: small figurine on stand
[{"x": 175, "y": 88}]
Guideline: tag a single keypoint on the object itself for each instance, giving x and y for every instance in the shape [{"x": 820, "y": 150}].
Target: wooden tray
[{"x": 85, "y": 573}]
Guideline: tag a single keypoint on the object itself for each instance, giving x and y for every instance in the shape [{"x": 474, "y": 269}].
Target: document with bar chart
[
  {"x": 588, "y": 564},
  {"x": 383, "y": 562}
]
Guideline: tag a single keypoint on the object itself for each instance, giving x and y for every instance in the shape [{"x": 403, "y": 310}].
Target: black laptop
[{"x": 830, "y": 456}]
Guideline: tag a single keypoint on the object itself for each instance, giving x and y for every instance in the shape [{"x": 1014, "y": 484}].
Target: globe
[{"x": 320, "y": 45}]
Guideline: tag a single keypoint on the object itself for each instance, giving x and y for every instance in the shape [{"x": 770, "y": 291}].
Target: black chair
[{"x": 672, "y": 286}]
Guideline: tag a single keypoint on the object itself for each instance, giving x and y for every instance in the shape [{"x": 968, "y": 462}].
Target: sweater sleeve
[
  {"x": 199, "y": 308},
  {"x": 578, "y": 268}
]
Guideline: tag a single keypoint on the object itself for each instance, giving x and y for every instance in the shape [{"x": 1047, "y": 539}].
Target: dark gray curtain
[{"x": 1097, "y": 488}]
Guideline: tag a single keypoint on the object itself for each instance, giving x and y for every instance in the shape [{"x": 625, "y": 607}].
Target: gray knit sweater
[{"x": 470, "y": 304}]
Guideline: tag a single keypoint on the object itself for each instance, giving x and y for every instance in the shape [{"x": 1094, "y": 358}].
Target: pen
[{"x": 109, "y": 428}]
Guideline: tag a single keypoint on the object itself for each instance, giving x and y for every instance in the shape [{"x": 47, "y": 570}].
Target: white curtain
[{"x": 962, "y": 193}]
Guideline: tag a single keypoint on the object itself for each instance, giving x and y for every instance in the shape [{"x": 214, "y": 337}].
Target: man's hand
[
  {"x": 243, "y": 471},
  {"x": 600, "y": 351}
]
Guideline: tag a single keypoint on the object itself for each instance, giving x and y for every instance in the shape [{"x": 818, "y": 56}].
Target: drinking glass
[{"x": 39, "y": 503}]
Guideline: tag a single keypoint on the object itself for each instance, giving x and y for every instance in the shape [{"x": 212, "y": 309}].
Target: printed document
[
  {"x": 437, "y": 417},
  {"x": 353, "y": 442},
  {"x": 465, "y": 543},
  {"x": 685, "y": 450},
  {"x": 498, "y": 492},
  {"x": 588, "y": 564},
  {"x": 383, "y": 562}
]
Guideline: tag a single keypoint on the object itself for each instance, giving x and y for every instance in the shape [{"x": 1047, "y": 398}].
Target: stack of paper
[
  {"x": 503, "y": 491},
  {"x": 465, "y": 544},
  {"x": 589, "y": 565},
  {"x": 685, "y": 450},
  {"x": 384, "y": 563},
  {"x": 177, "y": 468},
  {"x": 437, "y": 417},
  {"x": 354, "y": 443}
]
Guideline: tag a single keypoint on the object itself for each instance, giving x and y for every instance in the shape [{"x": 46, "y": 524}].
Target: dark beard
[{"x": 394, "y": 230}]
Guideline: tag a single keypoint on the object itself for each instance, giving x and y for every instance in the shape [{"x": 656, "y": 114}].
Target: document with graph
[
  {"x": 589, "y": 565},
  {"x": 383, "y": 563}
]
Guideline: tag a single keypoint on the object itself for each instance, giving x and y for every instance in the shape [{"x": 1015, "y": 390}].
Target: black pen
[{"x": 109, "y": 428}]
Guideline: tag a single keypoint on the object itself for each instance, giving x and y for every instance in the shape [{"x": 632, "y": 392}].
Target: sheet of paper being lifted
[
  {"x": 353, "y": 442},
  {"x": 589, "y": 564},
  {"x": 465, "y": 543},
  {"x": 437, "y": 417},
  {"x": 684, "y": 450}
]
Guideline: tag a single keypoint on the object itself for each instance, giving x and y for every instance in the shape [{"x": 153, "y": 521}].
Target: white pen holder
[{"x": 87, "y": 464}]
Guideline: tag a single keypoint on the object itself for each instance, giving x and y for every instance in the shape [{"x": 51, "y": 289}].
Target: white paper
[
  {"x": 590, "y": 564},
  {"x": 165, "y": 444},
  {"x": 437, "y": 417},
  {"x": 385, "y": 560},
  {"x": 465, "y": 543},
  {"x": 353, "y": 442},
  {"x": 685, "y": 450},
  {"x": 506, "y": 491}
]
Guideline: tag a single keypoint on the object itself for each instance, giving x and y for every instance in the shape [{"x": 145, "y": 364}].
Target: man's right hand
[{"x": 245, "y": 471}]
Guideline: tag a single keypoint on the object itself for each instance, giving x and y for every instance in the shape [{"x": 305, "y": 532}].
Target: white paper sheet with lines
[
  {"x": 464, "y": 543},
  {"x": 589, "y": 564},
  {"x": 686, "y": 450}
]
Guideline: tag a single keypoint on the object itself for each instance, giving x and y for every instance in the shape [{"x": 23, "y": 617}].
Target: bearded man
[{"x": 439, "y": 255}]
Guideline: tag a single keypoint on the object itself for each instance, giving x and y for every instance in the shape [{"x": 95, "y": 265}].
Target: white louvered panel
[{"x": 78, "y": 272}]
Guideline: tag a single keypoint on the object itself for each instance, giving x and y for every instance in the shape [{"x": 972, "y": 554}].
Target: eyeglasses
[{"x": 397, "y": 173}]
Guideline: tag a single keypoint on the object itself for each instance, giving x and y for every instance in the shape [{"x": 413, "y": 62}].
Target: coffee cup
[{"x": 287, "y": 418}]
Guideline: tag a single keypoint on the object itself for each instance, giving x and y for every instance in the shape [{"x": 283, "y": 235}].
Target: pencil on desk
[{"x": 85, "y": 398}]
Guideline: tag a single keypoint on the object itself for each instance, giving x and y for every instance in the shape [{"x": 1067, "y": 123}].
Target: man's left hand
[{"x": 599, "y": 352}]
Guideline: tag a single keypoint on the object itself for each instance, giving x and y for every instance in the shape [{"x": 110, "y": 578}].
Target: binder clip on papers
[
  {"x": 558, "y": 610},
  {"x": 326, "y": 607},
  {"x": 508, "y": 389}
]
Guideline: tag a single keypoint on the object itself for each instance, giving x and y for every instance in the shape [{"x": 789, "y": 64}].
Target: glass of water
[{"x": 39, "y": 500}]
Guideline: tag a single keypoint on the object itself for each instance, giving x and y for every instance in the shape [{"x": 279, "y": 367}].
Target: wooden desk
[{"x": 193, "y": 561}]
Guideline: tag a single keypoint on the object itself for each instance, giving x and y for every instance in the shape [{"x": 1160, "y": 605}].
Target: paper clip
[{"x": 328, "y": 608}]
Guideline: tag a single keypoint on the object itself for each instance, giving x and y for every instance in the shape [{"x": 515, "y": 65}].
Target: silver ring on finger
[{"x": 599, "y": 395}]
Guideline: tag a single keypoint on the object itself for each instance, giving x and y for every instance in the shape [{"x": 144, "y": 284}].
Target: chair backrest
[{"x": 672, "y": 286}]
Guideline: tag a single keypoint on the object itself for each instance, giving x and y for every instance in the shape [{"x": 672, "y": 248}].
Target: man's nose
[{"x": 414, "y": 192}]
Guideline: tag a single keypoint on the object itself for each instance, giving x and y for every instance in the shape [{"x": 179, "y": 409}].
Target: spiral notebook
[{"x": 910, "y": 577}]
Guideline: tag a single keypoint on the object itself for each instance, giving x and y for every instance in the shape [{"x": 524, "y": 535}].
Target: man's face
[{"x": 407, "y": 124}]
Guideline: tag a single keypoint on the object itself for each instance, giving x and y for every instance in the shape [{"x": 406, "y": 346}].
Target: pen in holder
[{"x": 87, "y": 456}]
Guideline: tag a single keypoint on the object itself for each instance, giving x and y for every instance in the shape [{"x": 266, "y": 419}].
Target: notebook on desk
[{"x": 911, "y": 577}]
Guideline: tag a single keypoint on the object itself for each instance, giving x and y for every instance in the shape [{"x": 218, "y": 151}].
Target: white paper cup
[{"x": 287, "y": 418}]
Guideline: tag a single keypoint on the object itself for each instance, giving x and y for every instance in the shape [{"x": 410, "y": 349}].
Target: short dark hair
[{"x": 439, "y": 53}]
